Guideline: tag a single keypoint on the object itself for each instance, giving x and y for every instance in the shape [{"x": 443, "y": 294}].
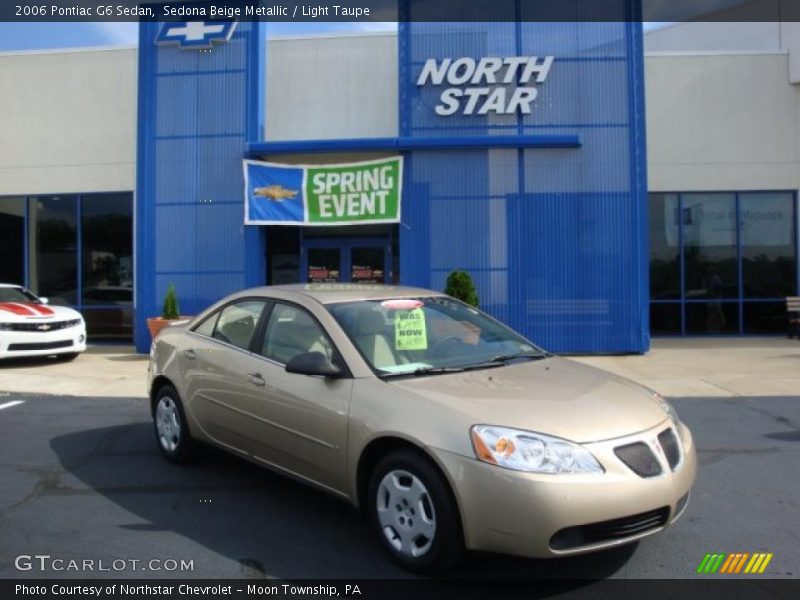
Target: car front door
[{"x": 303, "y": 419}]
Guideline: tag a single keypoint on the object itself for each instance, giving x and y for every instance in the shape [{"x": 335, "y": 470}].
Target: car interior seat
[
  {"x": 287, "y": 339},
  {"x": 238, "y": 332},
  {"x": 370, "y": 337}
]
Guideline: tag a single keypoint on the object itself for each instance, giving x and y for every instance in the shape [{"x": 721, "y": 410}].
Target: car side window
[
  {"x": 206, "y": 328},
  {"x": 237, "y": 323},
  {"x": 292, "y": 331}
]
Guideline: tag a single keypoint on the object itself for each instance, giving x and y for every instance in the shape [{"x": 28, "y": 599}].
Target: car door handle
[
  {"x": 190, "y": 354},
  {"x": 256, "y": 378}
]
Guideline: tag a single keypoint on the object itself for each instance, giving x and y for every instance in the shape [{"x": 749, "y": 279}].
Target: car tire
[
  {"x": 169, "y": 421},
  {"x": 67, "y": 357},
  {"x": 412, "y": 510}
]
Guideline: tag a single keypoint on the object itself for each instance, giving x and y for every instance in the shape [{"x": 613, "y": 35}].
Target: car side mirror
[
  {"x": 313, "y": 363},
  {"x": 44, "y": 300}
]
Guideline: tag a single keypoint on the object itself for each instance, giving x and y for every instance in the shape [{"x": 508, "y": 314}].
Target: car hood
[
  {"x": 19, "y": 312},
  {"x": 553, "y": 396}
]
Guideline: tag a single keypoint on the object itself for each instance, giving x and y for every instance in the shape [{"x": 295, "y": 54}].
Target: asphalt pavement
[{"x": 82, "y": 479}]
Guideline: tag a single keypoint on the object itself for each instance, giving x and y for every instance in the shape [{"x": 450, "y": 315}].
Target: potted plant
[
  {"x": 169, "y": 312},
  {"x": 459, "y": 285}
]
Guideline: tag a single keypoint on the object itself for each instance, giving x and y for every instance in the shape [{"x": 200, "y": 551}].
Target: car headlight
[
  {"x": 668, "y": 408},
  {"x": 529, "y": 451}
]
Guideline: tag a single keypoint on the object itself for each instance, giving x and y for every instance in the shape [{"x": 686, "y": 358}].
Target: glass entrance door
[
  {"x": 335, "y": 260},
  {"x": 324, "y": 265}
]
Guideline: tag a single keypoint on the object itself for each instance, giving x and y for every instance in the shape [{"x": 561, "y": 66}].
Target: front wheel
[
  {"x": 172, "y": 432},
  {"x": 414, "y": 514}
]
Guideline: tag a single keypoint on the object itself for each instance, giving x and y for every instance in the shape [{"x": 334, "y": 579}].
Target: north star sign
[{"x": 469, "y": 83}]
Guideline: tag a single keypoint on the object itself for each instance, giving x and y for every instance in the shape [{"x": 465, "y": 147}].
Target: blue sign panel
[
  {"x": 197, "y": 113},
  {"x": 274, "y": 194},
  {"x": 555, "y": 238},
  {"x": 195, "y": 35}
]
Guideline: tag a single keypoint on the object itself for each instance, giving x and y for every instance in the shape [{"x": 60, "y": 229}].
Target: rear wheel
[
  {"x": 413, "y": 513},
  {"x": 172, "y": 432}
]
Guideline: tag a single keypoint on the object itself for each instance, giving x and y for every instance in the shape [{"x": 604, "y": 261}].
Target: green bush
[
  {"x": 460, "y": 285},
  {"x": 170, "y": 310}
]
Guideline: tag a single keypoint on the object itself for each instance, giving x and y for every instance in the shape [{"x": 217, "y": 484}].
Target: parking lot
[{"x": 82, "y": 479}]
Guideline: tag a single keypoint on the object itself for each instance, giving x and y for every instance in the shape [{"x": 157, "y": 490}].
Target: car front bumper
[
  {"x": 539, "y": 515},
  {"x": 18, "y": 344}
]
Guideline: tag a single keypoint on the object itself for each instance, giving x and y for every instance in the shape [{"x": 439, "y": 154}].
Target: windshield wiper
[
  {"x": 503, "y": 359},
  {"x": 424, "y": 371},
  {"x": 496, "y": 361}
]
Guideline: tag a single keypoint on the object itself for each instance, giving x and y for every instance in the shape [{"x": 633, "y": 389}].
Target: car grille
[
  {"x": 669, "y": 443},
  {"x": 40, "y": 346},
  {"x": 38, "y": 326},
  {"x": 609, "y": 531},
  {"x": 639, "y": 458}
]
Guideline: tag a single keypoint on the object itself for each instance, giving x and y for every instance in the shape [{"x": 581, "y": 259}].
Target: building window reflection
[
  {"x": 77, "y": 250},
  {"x": 12, "y": 240},
  {"x": 721, "y": 263}
]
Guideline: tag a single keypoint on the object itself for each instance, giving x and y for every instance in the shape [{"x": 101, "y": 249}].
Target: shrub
[
  {"x": 460, "y": 285},
  {"x": 170, "y": 304}
]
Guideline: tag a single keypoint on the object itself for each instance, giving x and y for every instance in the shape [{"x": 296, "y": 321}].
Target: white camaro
[{"x": 28, "y": 327}]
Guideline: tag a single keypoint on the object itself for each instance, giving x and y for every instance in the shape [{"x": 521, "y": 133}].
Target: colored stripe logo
[{"x": 735, "y": 563}]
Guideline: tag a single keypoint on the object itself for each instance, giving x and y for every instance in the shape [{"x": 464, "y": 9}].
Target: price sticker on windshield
[{"x": 409, "y": 330}]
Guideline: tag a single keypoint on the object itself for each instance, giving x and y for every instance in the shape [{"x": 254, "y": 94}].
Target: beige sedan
[{"x": 447, "y": 428}]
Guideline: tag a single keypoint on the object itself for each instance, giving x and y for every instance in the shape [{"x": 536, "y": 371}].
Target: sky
[
  {"x": 47, "y": 36},
  {"x": 44, "y": 36}
]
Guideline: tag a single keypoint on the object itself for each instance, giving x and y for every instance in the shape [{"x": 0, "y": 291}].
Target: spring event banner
[{"x": 356, "y": 193}]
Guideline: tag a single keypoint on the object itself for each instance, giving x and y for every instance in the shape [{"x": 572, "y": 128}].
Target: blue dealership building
[
  {"x": 544, "y": 203},
  {"x": 601, "y": 186}
]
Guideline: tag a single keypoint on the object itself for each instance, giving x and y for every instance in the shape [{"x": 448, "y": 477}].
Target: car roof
[{"x": 331, "y": 293}]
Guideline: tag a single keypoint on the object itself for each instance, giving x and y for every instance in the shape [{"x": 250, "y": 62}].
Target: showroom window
[
  {"x": 721, "y": 263},
  {"x": 76, "y": 250},
  {"x": 12, "y": 240}
]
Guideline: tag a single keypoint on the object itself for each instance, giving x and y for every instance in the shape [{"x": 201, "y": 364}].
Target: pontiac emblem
[{"x": 657, "y": 446}]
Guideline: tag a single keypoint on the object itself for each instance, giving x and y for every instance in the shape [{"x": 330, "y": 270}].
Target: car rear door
[{"x": 220, "y": 395}]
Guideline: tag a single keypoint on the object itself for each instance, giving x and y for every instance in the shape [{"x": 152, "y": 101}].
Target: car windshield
[
  {"x": 13, "y": 294},
  {"x": 420, "y": 336}
]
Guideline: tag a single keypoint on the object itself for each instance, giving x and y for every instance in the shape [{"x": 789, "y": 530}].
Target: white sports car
[{"x": 28, "y": 327}]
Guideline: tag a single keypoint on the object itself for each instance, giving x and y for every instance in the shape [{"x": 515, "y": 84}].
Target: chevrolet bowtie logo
[
  {"x": 195, "y": 35},
  {"x": 275, "y": 192},
  {"x": 44, "y": 327}
]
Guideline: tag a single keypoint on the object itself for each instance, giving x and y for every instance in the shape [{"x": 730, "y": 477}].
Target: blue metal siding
[
  {"x": 548, "y": 211},
  {"x": 555, "y": 238},
  {"x": 198, "y": 111}
]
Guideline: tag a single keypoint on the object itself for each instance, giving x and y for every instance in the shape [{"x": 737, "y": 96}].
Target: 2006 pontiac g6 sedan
[{"x": 447, "y": 428}]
